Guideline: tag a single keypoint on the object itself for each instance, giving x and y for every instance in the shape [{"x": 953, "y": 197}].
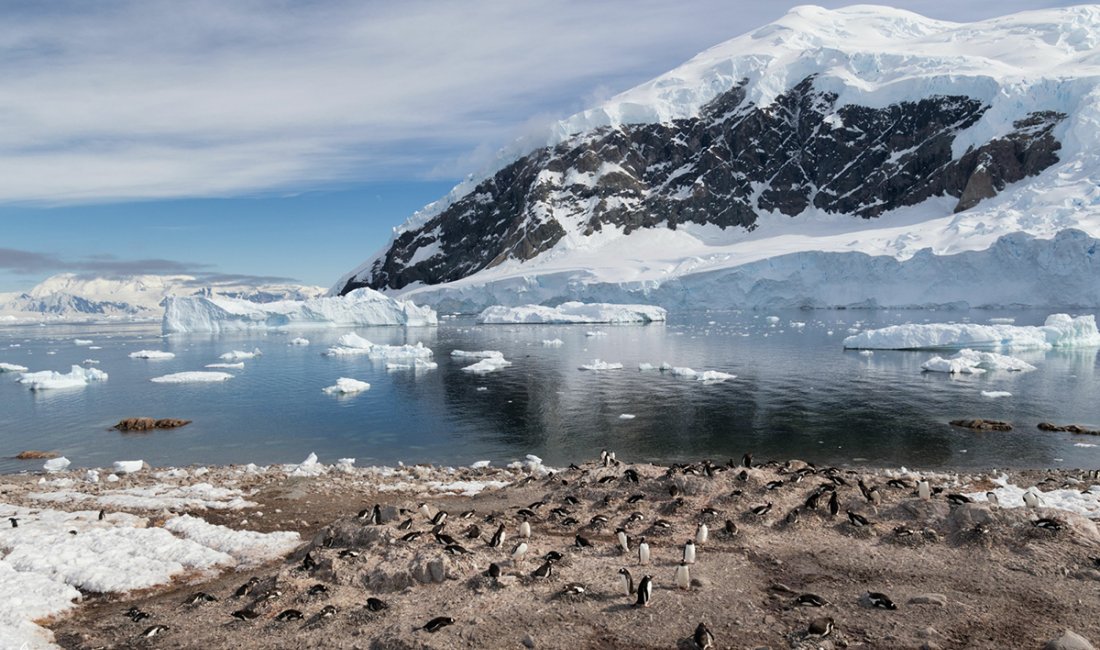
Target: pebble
[
  {"x": 1069, "y": 640},
  {"x": 528, "y": 642},
  {"x": 929, "y": 599}
]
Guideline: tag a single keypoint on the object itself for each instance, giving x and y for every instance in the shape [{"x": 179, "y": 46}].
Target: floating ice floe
[
  {"x": 572, "y": 312},
  {"x": 708, "y": 376},
  {"x": 772, "y": 319},
  {"x": 1083, "y": 502},
  {"x": 351, "y": 344},
  {"x": 1002, "y": 321},
  {"x": 417, "y": 364},
  {"x": 299, "y": 341},
  {"x": 152, "y": 354},
  {"x": 1059, "y": 331},
  {"x": 11, "y": 367},
  {"x": 973, "y": 362},
  {"x": 645, "y": 367},
  {"x": 347, "y": 386},
  {"x": 866, "y": 353},
  {"x": 627, "y": 416},
  {"x": 50, "y": 380},
  {"x": 362, "y": 307},
  {"x": 595, "y": 333},
  {"x": 552, "y": 343},
  {"x": 83, "y": 342},
  {"x": 56, "y": 464},
  {"x": 601, "y": 365},
  {"x": 487, "y": 365},
  {"x": 479, "y": 354},
  {"x": 994, "y": 394},
  {"x": 226, "y": 366},
  {"x": 192, "y": 377},
  {"x": 237, "y": 355}
]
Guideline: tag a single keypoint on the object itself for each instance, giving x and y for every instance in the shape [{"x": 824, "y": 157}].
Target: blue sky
[{"x": 285, "y": 139}]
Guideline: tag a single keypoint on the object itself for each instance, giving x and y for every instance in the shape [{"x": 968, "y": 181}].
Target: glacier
[
  {"x": 1031, "y": 245},
  {"x": 360, "y": 308},
  {"x": 1059, "y": 331},
  {"x": 572, "y": 312}
]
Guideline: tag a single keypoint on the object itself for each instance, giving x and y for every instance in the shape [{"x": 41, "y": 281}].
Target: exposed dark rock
[
  {"x": 724, "y": 167},
  {"x": 148, "y": 424},
  {"x": 978, "y": 424},
  {"x": 1068, "y": 428},
  {"x": 31, "y": 454}
]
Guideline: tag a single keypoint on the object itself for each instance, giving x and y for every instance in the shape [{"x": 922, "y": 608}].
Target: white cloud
[{"x": 145, "y": 99}]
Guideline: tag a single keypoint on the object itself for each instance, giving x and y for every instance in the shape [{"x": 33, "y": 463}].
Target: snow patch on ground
[{"x": 1085, "y": 503}]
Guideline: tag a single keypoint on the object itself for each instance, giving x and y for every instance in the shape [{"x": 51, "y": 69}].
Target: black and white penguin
[
  {"x": 643, "y": 552},
  {"x": 347, "y": 553},
  {"x": 880, "y": 601},
  {"x": 439, "y": 517},
  {"x": 438, "y": 623},
  {"x": 689, "y": 552},
  {"x": 746, "y": 460},
  {"x": 857, "y": 519},
  {"x": 375, "y": 515},
  {"x": 1050, "y": 523},
  {"x": 581, "y": 542},
  {"x": 544, "y": 571},
  {"x": 702, "y": 533},
  {"x": 773, "y": 485},
  {"x": 810, "y": 600},
  {"x": 376, "y": 604},
  {"x": 246, "y": 588},
  {"x": 645, "y": 592},
  {"x": 525, "y": 529},
  {"x": 623, "y": 539},
  {"x": 424, "y": 510},
  {"x": 102, "y": 515},
  {"x": 136, "y": 615},
  {"x": 958, "y": 499},
  {"x": 289, "y": 615},
  {"x": 457, "y": 549},
  {"x": 245, "y": 614},
  {"x": 308, "y": 563},
  {"x": 328, "y": 611},
  {"x": 820, "y": 627},
  {"x": 1031, "y": 499},
  {"x": 834, "y": 504},
  {"x": 552, "y": 556},
  {"x": 518, "y": 551},
  {"x": 405, "y": 525},
  {"x": 411, "y": 537},
  {"x": 199, "y": 598},
  {"x": 730, "y": 527},
  {"x": 991, "y": 499},
  {"x": 626, "y": 582},
  {"x": 760, "y": 511},
  {"x": 14, "y": 522},
  {"x": 683, "y": 576},
  {"x": 317, "y": 590},
  {"x": 924, "y": 490},
  {"x": 498, "y": 537},
  {"x": 703, "y": 638},
  {"x": 154, "y": 630}
]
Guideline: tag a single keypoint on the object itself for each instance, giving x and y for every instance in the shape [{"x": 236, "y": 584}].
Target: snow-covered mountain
[
  {"x": 139, "y": 297},
  {"x": 825, "y": 159}
]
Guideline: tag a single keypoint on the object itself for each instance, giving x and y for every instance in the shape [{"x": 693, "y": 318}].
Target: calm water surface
[{"x": 797, "y": 394}]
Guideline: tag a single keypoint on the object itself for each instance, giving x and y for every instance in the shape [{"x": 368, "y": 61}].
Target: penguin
[
  {"x": 571, "y": 500},
  {"x": 439, "y": 517},
  {"x": 457, "y": 549},
  {"x": 924, "y": 490},
  {"x": 376, "y": 604},
  {"x": 898, "y": 483},
  {"x": 760, "y": 511},
  {"x": 645, "y": 592},
  {"x": 834, "y": 504},
  {"x": 701, "y": 533},
  {"x": 703, "y": 638},
  {"x": 14, "y": 522},
  {"x": 317, "y": 590},
  {"x": 245, "y": 614},
  {"x": 746, "y": 460},
  {"x": 467, "y": 514},
  {"x": 1031, "y": 499},
  {"x": 635, "y": 498},
  {"x": 880, "y": 601},
  {"x": 792, "y": 517},
  {"x": 631, "y": 475},
  {"x": 405, "y": 525},
  {"x": 1049, "y": 523},
  {"x": 811, "y": 502},
  {"x": 246, "y": 588},
  {"x": 473, "y": 532},
  {"x": 535, "y": 506},
  {"x": 409, "y": 537},
  {"x": 709, "y": 512},
  {"x": 136, "y": 615},
  {"x": 525, "y": 529},
  {"x": 604, "y": 458},
  {"x": 574, "y": 589},
  {"x": 347, "y": 552},
  {"x": 526, "y": 512},
  {"x": 328, "y": 611},
  {"x": 544, "y": 571},
  {"x": 626, "y": 582},
  {"x": 518, "y": 551},
  {"x": 102, "y": 515},
  {"x": 375, "y": 515},
  {"x": 552, "y": 556},
  {"x": 581, "y": 542},
  {"x": 289, "y": 615},
  {"x": 991, "y": 498},
  {"x": 308, "y": 563},
  {"x": 857, "y": 519},
  {"x": 199, "y": 598},
  {"x": 498, "y": 537},
  {"x": 958, "y": 499},
  {"x": 662, "y": 523},
  {"x": 445, "y": 539},
  {"x": 773, "y": 485},
  {"x": 154, "y": 630},
  {"x": 494, "y": 570},
  {"x": 689, "y": 552},
  {"x": 634, "y": 518},
  {"x": 864, "y": 490},
  {"x": 643, "y": 552},
  {"x": 624, "y": 540},
  {"x": 683, "y": 576},
  {"x": 820, "y": 627},
  {"x": 730, "y": 527},
  {"x": 438, "y": 623},
  {"x": 810, "y": 600},
  {"x": 875, "y": 496},
  {"x": 424, "y": 510},
  {"x": 597, "y": 521}
]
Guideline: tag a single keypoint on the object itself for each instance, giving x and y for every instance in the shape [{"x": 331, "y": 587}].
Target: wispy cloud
[
  {"x": 22, "y": 262},
  {"x": 133, "y": 99}
]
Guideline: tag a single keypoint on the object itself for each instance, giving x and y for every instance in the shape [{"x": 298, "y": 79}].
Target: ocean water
[{"x": 797, "y": 394}]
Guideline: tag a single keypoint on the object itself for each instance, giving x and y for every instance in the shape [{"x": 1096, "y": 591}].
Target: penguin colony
[{"x": 604, "y": 511}]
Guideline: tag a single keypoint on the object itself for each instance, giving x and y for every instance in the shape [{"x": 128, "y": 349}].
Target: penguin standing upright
[
  {"x": 683, "y": 576},
  {"x": 701, "y": 533},
  {"x": 645, "y": 592},
  {"x": 924, "y": 490},
  {"x": 834, "y": 504},
  {"x": 991, "y": 497},
  {"x": 689, "y": 552},
  {"x": 519, "y": 551},
  {"x": 626, "y": 582},
  {"x": 375, "y": 515},
  {"x": 624, "y": 541},
  {"x": 525, "y": 529},
  {"x": 643, "y": 552},
  {"x": 1031, "y": 499},
  {"x": 498, "y": 537}
]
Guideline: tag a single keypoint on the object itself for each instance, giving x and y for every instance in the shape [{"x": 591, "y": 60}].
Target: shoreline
[{"x": 742, "y": 578}]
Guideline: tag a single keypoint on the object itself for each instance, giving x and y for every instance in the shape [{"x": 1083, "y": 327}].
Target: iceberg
[
  {"x": 299, "y": 341},
  {"x": 973, "y": 362},
  {"x": 708, "y": 376},
  {"x": 487, "y": 365},
  {"x": 11, "y": 367},
  {"x": 360, "y": 307},
  {"x": 48, "y": 379},
  {"x": 347, "y": 386},
  {"x": 237, "y": 355},
  {"x": 1059, "y": 331},
  {"x": 351, "y": 344},
  {"x": 479, "y": 354},
  {"x": 572, "y": 312},
  {"x": 151, "y": 354},
  {"x": 192, "y": 377},
  {"x": 601, "y": 365}
]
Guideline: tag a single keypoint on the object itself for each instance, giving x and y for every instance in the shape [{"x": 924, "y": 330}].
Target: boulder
[
  {"x": 148, "y": 424},
  {"x": 1068, "y": 428},
  {"x": 31, "y": 454},
  {"x": 978, "y": 424},
  {"x": 1069, "y": 640}
]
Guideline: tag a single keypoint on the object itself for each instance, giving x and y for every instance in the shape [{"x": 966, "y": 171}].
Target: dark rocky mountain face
[{"x": 723, "y": 167}]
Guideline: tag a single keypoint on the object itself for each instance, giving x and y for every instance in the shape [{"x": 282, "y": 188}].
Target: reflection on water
[{"x": 797, "y": 394}]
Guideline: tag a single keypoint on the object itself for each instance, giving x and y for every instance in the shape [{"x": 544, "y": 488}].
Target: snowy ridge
[{"x": 1017, "y": 90}]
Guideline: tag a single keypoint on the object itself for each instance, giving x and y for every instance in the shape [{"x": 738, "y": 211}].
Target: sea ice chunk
[
  {"x": 1059, "y": 331},
  {"x": 56, "y": 464},
  {"x": 192, "y": 377},
  {"x": 601, "y": 365},
  {"x": 347, "y": 385},
  {"x": 152, "y": 354},
  {"x": 973, "y": 362},
  {"x": 128, "y": 466},
  {"x": 572, "y": 312},
  {"x": 487, "y": 365}
]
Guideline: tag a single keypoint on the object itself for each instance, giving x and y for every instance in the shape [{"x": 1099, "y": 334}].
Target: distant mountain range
[
  {"x": 70, "y": 297},
  {"x": 832, "y": 158}
]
